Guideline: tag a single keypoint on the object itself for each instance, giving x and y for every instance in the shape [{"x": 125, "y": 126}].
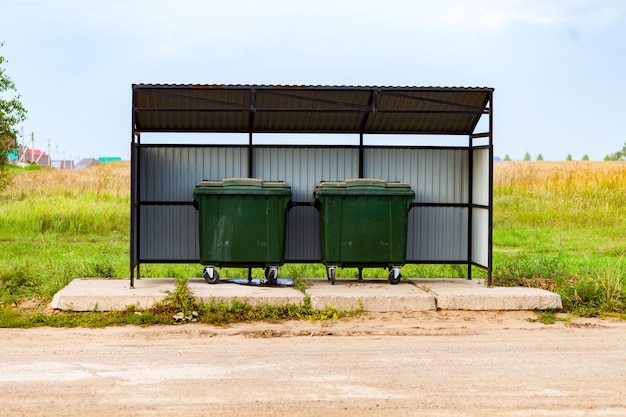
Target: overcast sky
[{"x": 558, "y": 67}]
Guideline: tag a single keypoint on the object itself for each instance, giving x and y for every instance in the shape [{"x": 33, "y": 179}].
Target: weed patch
[{"x": 549, "y": 317}]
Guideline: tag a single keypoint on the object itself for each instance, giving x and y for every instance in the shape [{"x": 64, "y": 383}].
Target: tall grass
[
  {"x": 562, "y": 226},
  {"x": 104, "y": 180},
  {"x": 56, "y": 225},
  {"x": 563, "y": 194},
  {"x": 93, "y": 200}
]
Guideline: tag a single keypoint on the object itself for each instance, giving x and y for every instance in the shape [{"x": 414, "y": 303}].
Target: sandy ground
[{"x": 427, "y": 364}]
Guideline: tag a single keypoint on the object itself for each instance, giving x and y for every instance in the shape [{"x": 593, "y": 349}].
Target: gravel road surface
[{"x": 427, "y": 364}]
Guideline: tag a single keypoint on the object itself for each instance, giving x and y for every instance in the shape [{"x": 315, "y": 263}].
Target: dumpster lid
[
  {"x": 397, "y": 184},
  {"x": 332, "y": 184},
  {"x": 364, "y": 182},
  {"x": 242, "y": 182},
  {"x": 207, "y": 183},
  {"x": 275, "y": 184}
]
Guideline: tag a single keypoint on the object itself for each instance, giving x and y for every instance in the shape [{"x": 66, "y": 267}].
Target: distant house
[
  {"x": 85, "y": 162},
  {"x": 33, "y": 156},
  {"x": 67, "y": 164},
  {"x": 107, "y": 159}
]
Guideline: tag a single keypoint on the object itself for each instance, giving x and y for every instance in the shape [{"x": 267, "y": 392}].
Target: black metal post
[
  {"x": 133, "y": 180},
  {"x": 361, "y": 156},
  {"x": 490, "y": 237},
  {"x": 470, "y": 202}
]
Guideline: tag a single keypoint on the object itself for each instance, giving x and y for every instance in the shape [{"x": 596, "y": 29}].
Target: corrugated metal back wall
[
  {"x": 167, "y": 224},
  {"x": 480, "y": 215}
]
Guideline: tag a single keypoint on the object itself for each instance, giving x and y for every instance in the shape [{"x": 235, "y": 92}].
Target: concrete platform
[
  {"x": 99, "y": 294},
  {"x": 463, "y": 294},
  {"x": 250, "y": 294},
  {"x": 371, "y": 295}
]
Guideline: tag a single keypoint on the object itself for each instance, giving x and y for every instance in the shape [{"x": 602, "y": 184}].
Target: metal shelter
[{"x": 450, "y": 220}]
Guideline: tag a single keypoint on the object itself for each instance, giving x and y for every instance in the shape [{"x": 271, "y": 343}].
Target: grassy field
[{"x": 557, "y": 225}]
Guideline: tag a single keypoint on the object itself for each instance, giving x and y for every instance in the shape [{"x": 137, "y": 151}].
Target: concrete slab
[
  {"x": 250, "y": 294},
  {"x": 462, "y": 294},
  {"x": 98, "y": 294},
  {"x": 371, "y": 295}
]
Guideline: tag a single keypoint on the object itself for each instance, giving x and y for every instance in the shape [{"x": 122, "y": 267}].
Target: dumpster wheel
[
  {"x": 394, "y": 275},
  {"x": 331, "y": 274},
  {"x": 211, "y": 275},
  {"x": 271, "y": 274}
]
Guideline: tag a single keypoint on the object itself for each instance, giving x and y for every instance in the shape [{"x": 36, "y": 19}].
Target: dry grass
[
  {"x": 520, "y": 176},
  {"x": 555, "y": 177},
  {"x": 561, "y": 194},
  {"x": 112, "y": 179}
]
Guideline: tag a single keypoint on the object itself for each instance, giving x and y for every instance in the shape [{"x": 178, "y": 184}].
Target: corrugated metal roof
[{"x": 308, "y": 109}]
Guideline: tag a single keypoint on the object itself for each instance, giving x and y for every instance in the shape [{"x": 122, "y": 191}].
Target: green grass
[
  {"x": 178, "y": 307},
  {"x": 554, "y": 230},
  {"x": 563, "y": 227},
  {"x": 548, "y": 317}
]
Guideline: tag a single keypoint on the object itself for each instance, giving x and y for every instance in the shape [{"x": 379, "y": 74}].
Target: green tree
[
  {"x": 585, "y": 157},
  {"x": 507, "y": 157},
  {"x": 11, "y": 114},
  {"x": 539, "y": 157},
  {"x": 527, "y": 157},
  {"x": 617, "y": 156},
  {"x": 569, "y": 157}
]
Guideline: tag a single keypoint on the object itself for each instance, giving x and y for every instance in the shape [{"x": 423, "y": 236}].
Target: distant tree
[
  {"x": 527, "y": 157},
  {"x": 11, "y": 114},
  {"x": 539, "y": 157},
  {"x": 617, "y": 156},
  {"x": 569, "y": 157},
  {"x": 507, "y": 157},
  {"x": 585, "y": 157}
]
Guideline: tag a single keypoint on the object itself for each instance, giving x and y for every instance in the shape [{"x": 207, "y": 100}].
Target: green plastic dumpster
[
  {"x": 364, "y": 223},
  {"x": 242, "y": 223}
]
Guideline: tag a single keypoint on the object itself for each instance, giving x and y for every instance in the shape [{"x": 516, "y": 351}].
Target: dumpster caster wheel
[
  {"x": 331, "y": 274},
  {"x": 271, "y": 274},
  {"x": 211, "y": 275},
  {"x": 394, "y": 276}
]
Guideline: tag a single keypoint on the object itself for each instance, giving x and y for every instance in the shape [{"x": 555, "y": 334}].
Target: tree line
[{"x": 616, "y": 156}]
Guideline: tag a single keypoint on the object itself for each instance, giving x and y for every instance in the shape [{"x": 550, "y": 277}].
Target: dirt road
[{"x": 427, "y": 364}]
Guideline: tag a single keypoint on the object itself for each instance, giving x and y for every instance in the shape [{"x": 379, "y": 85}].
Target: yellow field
[
  {"x": 518, "y": 176},
  {"x": 559, "y": 176},
  {"x": 112, "y": 178}
]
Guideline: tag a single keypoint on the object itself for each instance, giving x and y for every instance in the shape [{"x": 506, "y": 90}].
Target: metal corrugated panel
[
  {"x": 185, "y": 109},
  {"x": 168, "y": 233},
  {"x": 280, "y": 122},
  {"x": 342, "y": 110},
  {"x": 480, "y": 236},
  {"x": 303, "y": 235},
  {"x": 297, "y": 109},
  {"x": 435, "y": 175},
  {"x": 304, "y": 168},
  {"x": 171, "y": 173},
  {"x": 480, "y": 189},
  {"x": 437, "y": 234}
]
